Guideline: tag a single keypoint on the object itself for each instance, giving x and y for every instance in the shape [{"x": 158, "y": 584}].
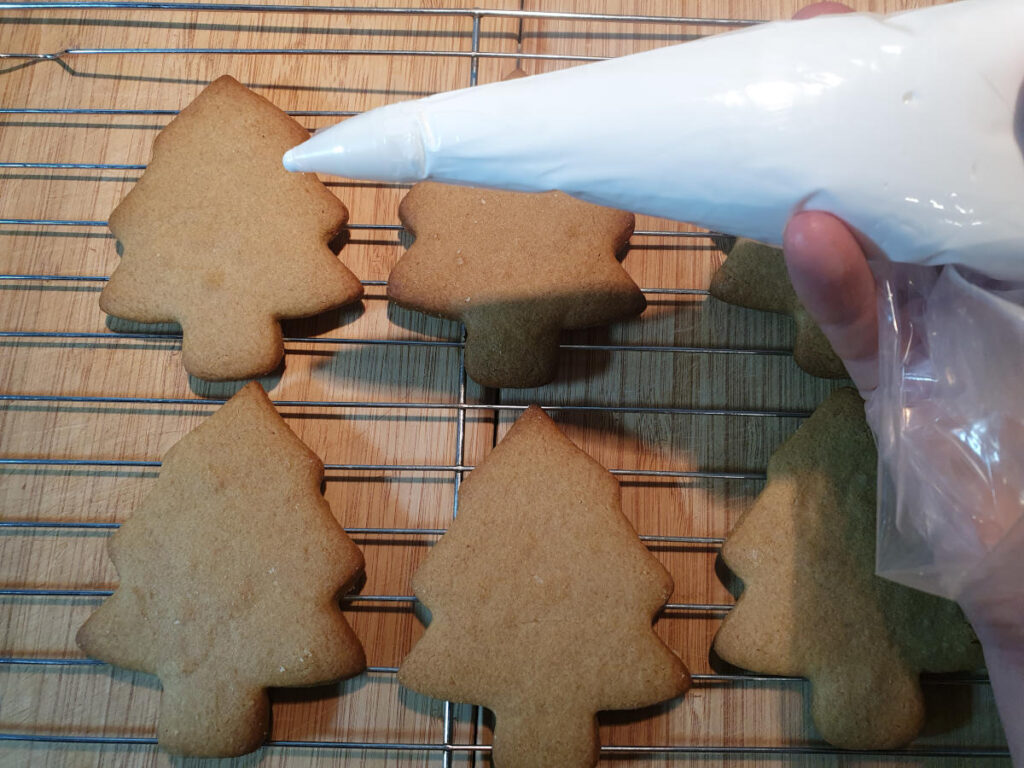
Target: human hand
[{"x": 830, "y": 274}]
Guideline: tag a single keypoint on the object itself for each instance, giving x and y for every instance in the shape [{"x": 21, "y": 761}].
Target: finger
[
  {"x": 821, "y": 9},
  {"x": 831, "y": 277}
]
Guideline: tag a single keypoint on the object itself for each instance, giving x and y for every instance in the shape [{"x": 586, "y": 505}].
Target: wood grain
[{"x": 99, "y": 701}]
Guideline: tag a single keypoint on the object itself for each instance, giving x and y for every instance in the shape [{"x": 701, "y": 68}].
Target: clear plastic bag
[{"x": 948, "y": 414}]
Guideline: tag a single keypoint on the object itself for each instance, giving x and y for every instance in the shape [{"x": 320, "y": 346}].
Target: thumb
[{"x": 830, "y": 275}]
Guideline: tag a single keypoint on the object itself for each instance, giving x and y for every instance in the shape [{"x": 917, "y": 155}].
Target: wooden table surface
[{"x": 694, "y": 357}]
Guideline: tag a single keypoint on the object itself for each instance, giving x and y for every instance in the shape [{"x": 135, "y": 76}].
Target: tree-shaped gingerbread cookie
[
  {"x": 230, "y": 573},
  {"x": 221, "y": 239},
  {"x": 541, "y": 599},
  {"x": 517, "y": 269},
  {"x": 754, "y": 275},
  {"x": 812, "y": 605}
]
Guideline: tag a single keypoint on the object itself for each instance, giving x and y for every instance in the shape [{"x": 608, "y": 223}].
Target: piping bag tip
[
  {"x": 385, "y": 145},
  {"x": 293, "y": 161}
]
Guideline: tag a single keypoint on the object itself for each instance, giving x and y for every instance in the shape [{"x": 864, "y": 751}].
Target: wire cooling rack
[{"x": 447, "y": 745}]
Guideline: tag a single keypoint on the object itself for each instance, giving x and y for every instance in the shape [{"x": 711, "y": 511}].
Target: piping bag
[{"x": 909, "y": 128}]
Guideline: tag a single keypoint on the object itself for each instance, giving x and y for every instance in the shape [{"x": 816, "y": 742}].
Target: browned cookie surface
[
  {"x": 517, "y": 269},
  {"x": 221, "y": 239},
  {"x": 542, "y": 598},
  {"x": 754, "y": 275},
  {"x": 812, "y": 605},
  {"x": 229, "y": 577}
]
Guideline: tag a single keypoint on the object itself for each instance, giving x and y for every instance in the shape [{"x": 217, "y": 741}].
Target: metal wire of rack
[{"x": 446, "y": 745}]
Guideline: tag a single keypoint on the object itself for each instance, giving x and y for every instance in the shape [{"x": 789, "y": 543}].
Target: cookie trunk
[
  {"x": 504, "y": 350},
  {"x": 212, "y": 718},
  {"x": 545, "y": 736},
  {"x": 217, "y": 348},
  {"x": 879, "y": 707}
]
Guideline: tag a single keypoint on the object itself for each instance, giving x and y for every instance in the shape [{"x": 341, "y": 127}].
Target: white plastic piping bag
[{"x": 908, "y": 127}]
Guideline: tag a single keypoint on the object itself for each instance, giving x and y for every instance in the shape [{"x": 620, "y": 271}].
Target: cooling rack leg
[
  {"x": 460, "y": 431},
  {"x": 460, "y": 444}
]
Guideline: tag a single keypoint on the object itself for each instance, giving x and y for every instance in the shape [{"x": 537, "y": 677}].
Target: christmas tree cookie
[
  {"x": 754, "y": 275},
  {"x": 517, "y": 268},
  {"x": 812, "y": 605},
  {"x": 230, "y": 573},
  {"x": 221, "y": 239},
  {"x": 542, "y": 597}
]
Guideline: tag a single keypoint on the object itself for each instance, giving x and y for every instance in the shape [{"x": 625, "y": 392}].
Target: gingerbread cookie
[
  {"x": 230, "y": 573},
  {"x": 812, "y": 605},
  {"x": 542, "y": 597},
  {"x": 516, "y": 268},
  {"x": 754, "y": 275},
  {"x": 221, "y": 239}
]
